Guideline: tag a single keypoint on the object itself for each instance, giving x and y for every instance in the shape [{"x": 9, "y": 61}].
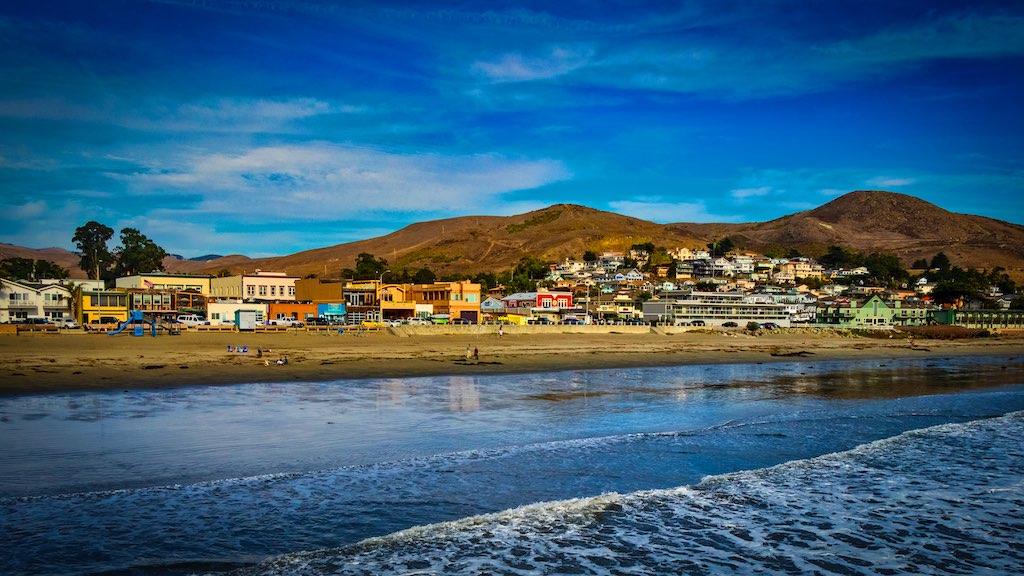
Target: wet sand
[{"x": 43, "y": 363}]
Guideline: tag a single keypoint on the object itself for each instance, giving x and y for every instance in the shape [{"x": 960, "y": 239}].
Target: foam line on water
[{"x": 943, "y": 499}]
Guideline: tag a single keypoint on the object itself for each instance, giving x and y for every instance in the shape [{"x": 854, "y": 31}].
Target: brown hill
[
  {"x": 484, "y": 243},
  {"x": 883, "y": 221},
  {"x": 59, "y": 256},
  {"x": 864, "y": 220}
]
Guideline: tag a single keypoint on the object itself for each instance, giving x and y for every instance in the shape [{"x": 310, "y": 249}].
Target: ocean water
[
  {"x": 698, "y": 469},
  {"x": 946, "y": 499}
]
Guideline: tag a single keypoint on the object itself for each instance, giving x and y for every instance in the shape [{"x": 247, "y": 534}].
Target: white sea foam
[{"x": 946, "y": 499}]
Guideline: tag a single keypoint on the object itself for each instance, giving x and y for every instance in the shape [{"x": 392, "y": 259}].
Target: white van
[{"x": 189, "y": 319}]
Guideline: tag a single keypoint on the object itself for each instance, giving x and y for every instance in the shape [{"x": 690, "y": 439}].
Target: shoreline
[{"x": 69, "y": 363}]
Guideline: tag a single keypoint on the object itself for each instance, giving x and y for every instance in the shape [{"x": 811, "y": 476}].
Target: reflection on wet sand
[{"x": 463, "y": 394}]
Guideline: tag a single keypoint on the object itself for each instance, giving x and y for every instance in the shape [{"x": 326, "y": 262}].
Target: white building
[
  {"x": 260, "y": 286},
  {"x": 714, "y": 309},
  {"x": 222, "y": 312},
  {"x": 22, "y": 300}
]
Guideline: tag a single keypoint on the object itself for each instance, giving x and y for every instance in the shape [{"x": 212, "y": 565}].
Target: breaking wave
[{"x": 947, "y": 500}]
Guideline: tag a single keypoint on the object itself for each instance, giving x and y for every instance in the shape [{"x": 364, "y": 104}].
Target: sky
[{"x": 266, "y": 127}]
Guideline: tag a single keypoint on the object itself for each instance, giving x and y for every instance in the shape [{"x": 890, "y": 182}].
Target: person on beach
[
  {"x": 501, "y": 331},
  {"x": 469, "y": 353},
  {"x": 476, "y": 355}
]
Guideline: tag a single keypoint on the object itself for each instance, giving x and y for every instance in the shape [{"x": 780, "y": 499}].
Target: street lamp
[{"x": 380, "y": 296}]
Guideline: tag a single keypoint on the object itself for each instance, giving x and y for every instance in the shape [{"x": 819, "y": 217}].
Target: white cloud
[
  {"x": 28, "y": 210},
  {"x": 322, "y": 181},
  {"x": 887, "y": 182},
  {"x": 207, "y": 115},
  {"x": 668, "y": 211},
  {"x": 744, "y": 193},
  {"x": 516, "y": 67}
]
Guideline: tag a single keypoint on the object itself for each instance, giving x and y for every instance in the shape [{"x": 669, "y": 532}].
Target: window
[
  {"x": 263, "y": 290},
  {"x": 215, "y": 316},
  {"x": 273, "y": 290},
  {"x": 280, "y": 290},
  {"x": 250, "y": 290},
  {"x": 291, "y": 290}
]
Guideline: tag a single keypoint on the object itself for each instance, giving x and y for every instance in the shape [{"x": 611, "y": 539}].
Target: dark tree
[
  {"x": 920, "y": 264},
  {"x": 138, "y": 254},
  {"x": 369, "y": 267},
  {"x": 17, "y": 268},
  {"x": 47, "y": 269},
  {"x": 486, "y": 280},
  {"x": 940, "y": 262},
  {"x": 721, "y": 247},
  {"x": 590, "y": 256},
  {"x": 424, "y": 276},
  {"x": 91, "y": 239},
  {"x": 886, "y": 269}
]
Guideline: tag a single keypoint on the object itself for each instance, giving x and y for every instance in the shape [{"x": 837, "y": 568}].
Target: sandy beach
[{"x": 30, "y": 364}]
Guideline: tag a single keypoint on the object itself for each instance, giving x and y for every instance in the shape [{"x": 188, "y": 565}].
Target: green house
[{"x": 871, "y": 313}]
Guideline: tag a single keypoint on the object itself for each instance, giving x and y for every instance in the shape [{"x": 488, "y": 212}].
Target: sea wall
[{"x": 513, "y": 329}]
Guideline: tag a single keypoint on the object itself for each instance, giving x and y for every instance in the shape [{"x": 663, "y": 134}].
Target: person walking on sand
[
  {"x": 501, "y": 331},
  {"x": 469, "y": 353},
  {"x": 476, "y": 355}
]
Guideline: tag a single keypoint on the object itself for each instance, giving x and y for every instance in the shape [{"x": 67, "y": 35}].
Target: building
[
  {"x": 492, "y": 307},
  {"x": 168, "y": 282},
  {"x": 224, "y": 312},
  {"x": 23, "y": 300},
  {"x": 316, "y": 290},
  {"x": 257, "y": 287},
  {"x": 166, "y": 302},
  {"x": 873, "y": 312},
  {"x": 301, "y": 311},
  {"x": 790, "y": 270},
  {"x": 987, "y": 319},
  {"x": 458, "y": 299},
  {"x": 714, "y": 309},
  {"x": 101, "y": 307},
  {"x": 396, "y": 302}
]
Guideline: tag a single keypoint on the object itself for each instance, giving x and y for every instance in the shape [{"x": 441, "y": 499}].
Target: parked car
[
  {"x": 572, "y": 321},
  {"x": 289, "y": 322},
  {"x": 770, "y": 326},
  {"x": 540, "y": 322},
  {"x": 189, "y": 319},
  {"x": 69, "y": 324},
  {"x": 418, "y": 322},
  {"x": 698, "y": 323},
  {"x": 730, "y": 325},
  {"x": 460, "y": 321}
]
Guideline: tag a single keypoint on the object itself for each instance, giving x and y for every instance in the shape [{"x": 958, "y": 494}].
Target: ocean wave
[{"x": 945, "y": 500}]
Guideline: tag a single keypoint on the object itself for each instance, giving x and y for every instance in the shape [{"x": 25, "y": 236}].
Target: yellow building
[
  {"x": 163, "y": 281},
  {"x": 101, "y": 307}
]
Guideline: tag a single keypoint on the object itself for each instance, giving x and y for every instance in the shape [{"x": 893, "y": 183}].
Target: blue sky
[{"x": 267, "y": 127}]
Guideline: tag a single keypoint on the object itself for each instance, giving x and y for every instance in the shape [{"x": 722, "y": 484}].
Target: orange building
[
  {"x": 317, "y": 290},
  {"x": 460, "y": 299},
  {"x": 294, "y": 310}
]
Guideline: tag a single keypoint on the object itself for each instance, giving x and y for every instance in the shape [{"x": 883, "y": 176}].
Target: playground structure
[{"x": 138, "y": 322}]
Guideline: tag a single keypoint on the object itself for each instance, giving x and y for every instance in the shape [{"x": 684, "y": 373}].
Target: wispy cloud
[
  {"x": 744, "y": 193},
  {"x": 322, "y": 181},
  {"x": 517, "y": 67},
  {"x": 666, "y": 212},
  {"x": 888, "y": 182},
  {"x": 217, "y": 115}
]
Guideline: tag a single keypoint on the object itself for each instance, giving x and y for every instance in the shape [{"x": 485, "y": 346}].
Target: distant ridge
[{"x": 867, "y": 220}]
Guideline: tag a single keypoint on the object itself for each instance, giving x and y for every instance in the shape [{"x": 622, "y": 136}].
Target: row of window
[
  {"x": 109, "y": 300},
  {"x": 250, "y": 290}
]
